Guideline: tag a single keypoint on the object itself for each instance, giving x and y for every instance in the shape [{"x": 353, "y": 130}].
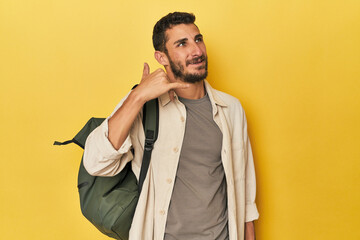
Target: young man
[{"x": 201, "y": 180}]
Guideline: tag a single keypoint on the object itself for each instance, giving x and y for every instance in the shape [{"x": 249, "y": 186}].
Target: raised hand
[{"x": 154, "y": 84}]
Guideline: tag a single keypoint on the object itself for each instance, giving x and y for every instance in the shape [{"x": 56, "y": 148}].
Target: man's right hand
[{"x": 154, "y": 84}]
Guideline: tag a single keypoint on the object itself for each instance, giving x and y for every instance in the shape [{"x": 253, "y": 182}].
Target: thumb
[{"x": 146, "y": 70}]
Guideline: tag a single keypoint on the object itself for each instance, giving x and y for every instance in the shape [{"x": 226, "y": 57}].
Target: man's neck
[{"x": 195, "y": 91}]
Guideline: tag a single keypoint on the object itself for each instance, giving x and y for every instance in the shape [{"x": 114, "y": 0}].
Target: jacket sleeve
[
  {"x": 100, "y": 157},
  {"x": 251, "y": 212}
]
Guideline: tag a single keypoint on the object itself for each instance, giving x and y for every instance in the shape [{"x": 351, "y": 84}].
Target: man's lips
[{"x": 196, "y": 61}]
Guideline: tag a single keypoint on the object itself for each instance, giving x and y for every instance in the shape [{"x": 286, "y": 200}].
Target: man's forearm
[
  {"x": 120, "y": 123},
  {"x": 250, "y": 231}
]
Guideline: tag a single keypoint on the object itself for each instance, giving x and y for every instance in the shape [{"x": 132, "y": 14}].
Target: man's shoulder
[{"x": 227, "y": 99}]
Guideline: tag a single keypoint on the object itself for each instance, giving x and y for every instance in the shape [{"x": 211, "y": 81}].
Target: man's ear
[{"x": 161, "y": 58}]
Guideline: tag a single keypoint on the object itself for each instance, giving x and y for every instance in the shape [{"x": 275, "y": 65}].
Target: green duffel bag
[{"x": 109, "y": 203}]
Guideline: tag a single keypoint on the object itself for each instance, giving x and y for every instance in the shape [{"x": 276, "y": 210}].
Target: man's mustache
[{"x": 196, "y": 60}]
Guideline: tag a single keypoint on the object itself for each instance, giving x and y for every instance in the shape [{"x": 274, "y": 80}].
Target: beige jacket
[{"x": 101, "y": 159}]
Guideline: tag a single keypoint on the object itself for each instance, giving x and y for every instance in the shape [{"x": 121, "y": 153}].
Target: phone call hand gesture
[{"x": 155, "y": 84}]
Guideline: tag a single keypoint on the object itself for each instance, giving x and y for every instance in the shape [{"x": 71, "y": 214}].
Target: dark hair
[{"x": 159, "y": 37}]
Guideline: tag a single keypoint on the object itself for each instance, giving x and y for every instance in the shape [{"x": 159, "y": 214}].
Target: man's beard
[{"x": 178, "y": 70}]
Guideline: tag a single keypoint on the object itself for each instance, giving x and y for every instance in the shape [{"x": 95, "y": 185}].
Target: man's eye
[
  {"x": 199, "y": 40},
  {"x": 181, "y": 44}
]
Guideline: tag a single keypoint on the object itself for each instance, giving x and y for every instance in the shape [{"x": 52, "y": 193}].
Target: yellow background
[{"x": 294, "y": 65}]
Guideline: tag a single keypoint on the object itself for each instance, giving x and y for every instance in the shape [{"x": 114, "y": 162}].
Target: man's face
[{"x": 186, "y": 52}]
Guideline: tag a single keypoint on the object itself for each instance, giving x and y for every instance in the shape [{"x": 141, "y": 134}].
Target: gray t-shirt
[{"x": 198, "y": 207}]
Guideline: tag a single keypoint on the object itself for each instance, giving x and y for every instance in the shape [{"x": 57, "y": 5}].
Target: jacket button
[
  {"x": 175, "y": 149},
  {"x": 182, "y": 119},
  {"x": 168, "y": 180},
  {"x": 162, "y": 212}
]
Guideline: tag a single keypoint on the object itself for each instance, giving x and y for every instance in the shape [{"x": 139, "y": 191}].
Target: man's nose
[{"x": 196, "y": 50}]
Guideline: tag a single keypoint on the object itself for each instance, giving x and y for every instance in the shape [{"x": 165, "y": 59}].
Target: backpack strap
[
  {"x": 151, "y": 128},
  {"x": 81, "y": 136}
]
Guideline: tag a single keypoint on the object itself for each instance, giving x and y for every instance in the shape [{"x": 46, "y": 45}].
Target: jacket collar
[{"x": 214, "y": 98}]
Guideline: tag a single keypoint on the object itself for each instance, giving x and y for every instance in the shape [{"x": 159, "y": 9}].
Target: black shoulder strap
[{"x": 151, "y": 128}]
